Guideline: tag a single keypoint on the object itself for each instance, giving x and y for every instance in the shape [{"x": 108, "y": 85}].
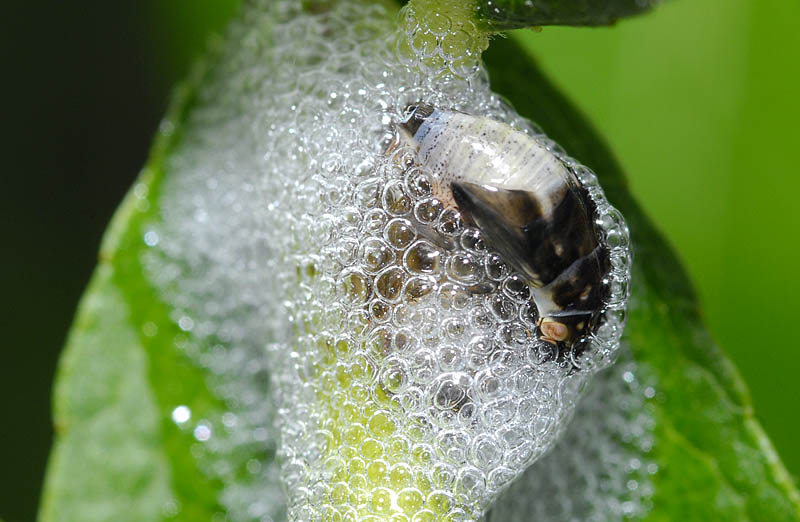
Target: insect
[{"x": 528, "y": 205}]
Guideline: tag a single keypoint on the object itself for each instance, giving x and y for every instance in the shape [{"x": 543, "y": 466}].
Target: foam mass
[{"x": 363, "y": 377}]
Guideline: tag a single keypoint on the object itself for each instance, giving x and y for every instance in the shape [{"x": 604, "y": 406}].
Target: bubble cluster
[
  {"x": 600, "y": 469},
  {"x": 439, "y": 39},
  {"x": 354, "y": 325}
]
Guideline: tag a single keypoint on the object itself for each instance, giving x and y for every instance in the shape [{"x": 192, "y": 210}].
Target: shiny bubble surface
[{"x": 352, "y": 323}]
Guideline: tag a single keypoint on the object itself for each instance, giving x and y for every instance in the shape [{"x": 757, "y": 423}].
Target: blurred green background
[{"x": 699, "y": 101}]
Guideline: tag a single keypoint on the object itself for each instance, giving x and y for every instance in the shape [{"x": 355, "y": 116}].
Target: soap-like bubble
[{"x": 356, "y": 325}]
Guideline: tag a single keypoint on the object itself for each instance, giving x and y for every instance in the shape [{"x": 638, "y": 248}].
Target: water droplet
[{"x": 181, "y": 414}]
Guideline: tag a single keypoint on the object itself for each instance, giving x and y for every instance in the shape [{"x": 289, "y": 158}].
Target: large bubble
[{"x": 357, "y": 326}]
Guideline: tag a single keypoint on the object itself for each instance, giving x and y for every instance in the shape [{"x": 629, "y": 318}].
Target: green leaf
[
  {"x": 119, "y": 455},
  {"x": 514, "y": 14}
]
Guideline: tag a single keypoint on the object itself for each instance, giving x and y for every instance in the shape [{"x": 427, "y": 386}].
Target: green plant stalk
[{"x": 498, "y": 15}]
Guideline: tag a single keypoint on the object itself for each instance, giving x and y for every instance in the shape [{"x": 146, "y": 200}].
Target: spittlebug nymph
[{"x": 528, "y": 205}]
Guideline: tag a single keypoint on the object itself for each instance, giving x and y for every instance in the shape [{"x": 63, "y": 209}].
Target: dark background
[
  {"x": 84, "y": 85},
  {"x": 699, "y": 100}
]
